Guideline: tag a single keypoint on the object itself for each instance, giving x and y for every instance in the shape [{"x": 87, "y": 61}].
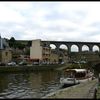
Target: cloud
[
  {"x": 9, "y": 15},
  {"x": 65, "y": 21}
]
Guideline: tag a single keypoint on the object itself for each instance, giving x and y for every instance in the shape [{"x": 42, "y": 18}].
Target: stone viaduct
[{"x": 78, "y": 44}]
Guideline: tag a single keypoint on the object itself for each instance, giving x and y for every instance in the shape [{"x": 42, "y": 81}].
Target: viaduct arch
[{"x": 78, "y": 44}]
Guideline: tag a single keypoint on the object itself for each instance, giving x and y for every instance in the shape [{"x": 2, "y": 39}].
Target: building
[
  {"x": 5, "y": 51},
  {"x": 63, "y": 55},
  {"x": 54, "y": 57},
  {"x": 40, "y": 51},
  {"x": 59, "y": 57},
  {"x": 5, "y": 56}
]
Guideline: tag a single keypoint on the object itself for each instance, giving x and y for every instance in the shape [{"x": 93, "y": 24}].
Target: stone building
[
  {"x": 5, "y": 51},
  {"x": 5, "y": 56},
  {"x": 54, "y": 57},
  {"x": 40, "y": 51}
]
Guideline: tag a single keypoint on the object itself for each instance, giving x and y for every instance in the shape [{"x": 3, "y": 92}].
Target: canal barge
[{"x": 75, "y": 76}]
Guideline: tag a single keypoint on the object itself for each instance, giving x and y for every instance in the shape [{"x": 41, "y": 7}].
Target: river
[
  {"x": 35, "y": 84},
  {"x": 28, "y": 85}
]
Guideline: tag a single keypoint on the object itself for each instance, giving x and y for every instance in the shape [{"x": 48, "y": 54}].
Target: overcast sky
[{"x": 65, "y": 21}]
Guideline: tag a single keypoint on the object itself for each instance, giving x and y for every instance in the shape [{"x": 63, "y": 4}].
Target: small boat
[
  {"x": 68, "y": 81},
  {"x": 76, "y": 76}
]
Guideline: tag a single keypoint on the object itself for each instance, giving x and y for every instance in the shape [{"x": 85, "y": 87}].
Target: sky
[{"x": 47, "y": 20}]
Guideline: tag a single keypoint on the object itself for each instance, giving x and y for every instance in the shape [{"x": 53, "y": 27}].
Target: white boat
[
  {"x": 69, "y": 81},
  {"x": 76, "y": 76}
]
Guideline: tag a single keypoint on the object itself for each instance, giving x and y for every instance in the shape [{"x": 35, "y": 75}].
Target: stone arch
[
  {"x": 85, "y": 48},
  {"x": 64, "y": 49},
  {"x": 74, "y": 48},
  {"x": 53, "y": 46},
  {"x": 95, "y": 48},
  {"x": 63, "y": 46}
]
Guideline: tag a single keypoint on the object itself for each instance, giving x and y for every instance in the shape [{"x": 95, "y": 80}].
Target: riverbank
[
  {"x": 63, "y": 67},
  {"x": 29, "y": 68},
  {"x": 84, "y": 90}
]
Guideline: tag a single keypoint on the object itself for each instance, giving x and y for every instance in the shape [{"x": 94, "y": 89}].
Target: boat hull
[{"x": 66, "y": 82}]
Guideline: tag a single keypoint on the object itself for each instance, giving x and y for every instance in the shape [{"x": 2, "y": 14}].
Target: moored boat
[
  {"x": 68, "y": 81},
  {"x": 76, "y": 76}
]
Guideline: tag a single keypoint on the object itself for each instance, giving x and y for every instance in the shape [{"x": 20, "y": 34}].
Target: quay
[
  {"x": 84, "y": 90},
  {"x": 25, "y": 68},
  {"x": 98, "y": 91},
  {"x": 63, "y": 67}
]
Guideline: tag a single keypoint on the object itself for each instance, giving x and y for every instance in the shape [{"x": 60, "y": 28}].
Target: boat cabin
[{"x": 77, "y": 73}]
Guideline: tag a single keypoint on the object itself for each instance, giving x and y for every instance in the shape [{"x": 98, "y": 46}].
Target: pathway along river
[{"x": 28, "y": 85}]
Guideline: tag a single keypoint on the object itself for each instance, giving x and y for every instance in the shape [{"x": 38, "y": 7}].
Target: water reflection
[
  {"x": 3, "y": 82},
  {"x": 28, "y": 85}
]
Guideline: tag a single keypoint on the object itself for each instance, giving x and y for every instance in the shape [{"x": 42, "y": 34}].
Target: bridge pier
[
  {"x": 90, "y": 48},
  {"x": 69, "y": 48},
  {"x": 80, "y": 48}
]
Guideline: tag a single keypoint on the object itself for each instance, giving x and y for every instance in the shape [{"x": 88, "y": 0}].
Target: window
[{"x": 6, "y": 53}]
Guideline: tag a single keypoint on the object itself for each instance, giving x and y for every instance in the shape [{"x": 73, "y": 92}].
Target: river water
[
  {"x": 28, "y": 85},
  {"x": 35, "y": 84}
]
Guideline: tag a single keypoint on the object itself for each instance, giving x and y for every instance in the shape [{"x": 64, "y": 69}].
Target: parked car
[
  {"x": 35, "y": 63},
  {"x": 22, "y": 63},
  {"x": 62, "y": 62},
  {"x": 83, "y": 62},
  {"x": 2, "y": 64},
  {"x": 11, "y": 63}
]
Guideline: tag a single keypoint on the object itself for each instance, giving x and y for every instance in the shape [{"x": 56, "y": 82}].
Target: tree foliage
[
  {"x": 27, "y": 52},
  {"x": 15, "y": 44},
  {"x": 20, "y": 45},
  {"x": 29, "y": 43},
  {"x": 12, "y": 42}
]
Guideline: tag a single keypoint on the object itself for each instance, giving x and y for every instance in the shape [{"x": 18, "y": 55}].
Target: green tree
[
  {"x": 29, "y": 43},
  {"x": 27, "y": 52},
  {"x": 20, "y": 45},
  {"x": 12, "y": 42}
]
